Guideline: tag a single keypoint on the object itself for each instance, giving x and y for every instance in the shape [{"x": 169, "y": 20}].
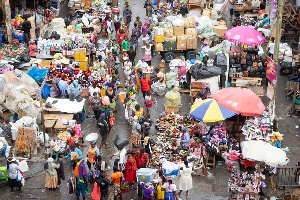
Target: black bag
[
  {"x": 248, "y": 57},
  {"x": 244, "y": 67},
  {"x": 120, "y": 142},
  {"x": 249, "y": 62},
  {"x": 232, "y": 61},
  {"x": 220, "y": 59}
]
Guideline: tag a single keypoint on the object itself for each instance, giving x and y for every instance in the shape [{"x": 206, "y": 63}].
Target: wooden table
[
  {"x": 58, "y": 116},
  {"x": 49, "y": 124}
]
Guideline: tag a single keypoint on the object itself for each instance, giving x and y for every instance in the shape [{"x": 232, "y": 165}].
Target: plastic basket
[
  {"x": 173, "y": 173},
  {"x": 145, "y": 174}
]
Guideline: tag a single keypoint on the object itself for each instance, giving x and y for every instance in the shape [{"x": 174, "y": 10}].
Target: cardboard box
[
  {"x": 206, "y": 12},
  {"x": 159, "y": 47},
  {"x": 181, "y": 42},
  {"x": 213, "y": 14},
  {"x": 191, "y": 43},
  {"x": 81, "y": 50},
  {"x": 178, "y": 30},
  {"x": 159, "y": 38},
  {"x": 190, "y": 22},
  {"x": 168, "y": 32},
  {"x": 195, "y": 2},
  {"x": 220, "y": 30},
  {"x": 77, "y": 6},
  {"x": 191, "y": 32}
]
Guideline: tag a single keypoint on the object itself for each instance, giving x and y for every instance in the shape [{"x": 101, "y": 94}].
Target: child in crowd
[{"x": 148, "y": 102}]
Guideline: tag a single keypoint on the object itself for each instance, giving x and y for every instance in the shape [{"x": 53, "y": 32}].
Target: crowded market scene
[{"x": 150, "y": 100}]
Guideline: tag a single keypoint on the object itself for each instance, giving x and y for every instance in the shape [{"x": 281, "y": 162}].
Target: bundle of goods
[
  {"x": 258, "y": 128},
  {"x": 247, "y": 63},
  {"x": 18, "y": 35},
  {"x": 244, "y": 186},
  {"x": 12, "y": 51},
  {"x": 170, "y": 169},
  {"x": 200, "y": 71},
  {"x": 167, "y": 146},
  {"x": 172, "y": 98},
  {"x": 26, "y": 141},
  {"x": 59, "y": 143},
  {"x": 216, "y": 140},
  {"x": 178, "y": 35},
  {"x": 232, "y": 160}
]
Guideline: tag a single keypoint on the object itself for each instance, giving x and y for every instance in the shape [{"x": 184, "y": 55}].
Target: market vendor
[
  {"x": 265, "y": 22},
  {"x": 74, "y": 90},
  {"x": 74, "y": 139},
  {"x": 218, "y": 16},
  {"x": 185, "y": 137}
]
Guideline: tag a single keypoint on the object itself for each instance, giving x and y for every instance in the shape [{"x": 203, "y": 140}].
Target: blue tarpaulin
[{"x": 37, "y": 74}]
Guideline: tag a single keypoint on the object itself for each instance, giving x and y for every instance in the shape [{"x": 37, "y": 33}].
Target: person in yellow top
[
  {"x": 93, "y": 152},
  {"x": 139, "y": 111}
]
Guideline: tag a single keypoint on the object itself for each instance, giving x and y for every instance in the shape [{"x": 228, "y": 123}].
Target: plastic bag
[
  {"x": 23, "y": 166},
  {"x": 120, "y": 142},
  {"x": 172, "y": 99},
  {"x": 170, "y": 166},
  {"x": 178, "y": 22},
  {"x": 37, "y": 74}
]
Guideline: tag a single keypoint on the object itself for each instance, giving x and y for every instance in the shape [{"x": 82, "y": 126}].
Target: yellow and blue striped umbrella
[{"x": 209, "y": 110}]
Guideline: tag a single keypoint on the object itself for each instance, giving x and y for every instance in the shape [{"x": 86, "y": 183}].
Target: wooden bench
[
  {"x": 246, "y": 81},
  {"x": 58, "y": 116}
]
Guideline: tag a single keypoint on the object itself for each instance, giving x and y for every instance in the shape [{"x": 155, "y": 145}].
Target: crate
[
  {"x": 173, "y": 173},
  {"x": 145, "y": 174},
  {"x": 239, "y": 7}
]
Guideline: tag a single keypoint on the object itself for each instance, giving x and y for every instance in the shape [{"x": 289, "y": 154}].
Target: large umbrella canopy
[
  {"x": 209, "y": 110},
  {"x": 244, "y": 35},
  {"x": 240, "y": 100}
]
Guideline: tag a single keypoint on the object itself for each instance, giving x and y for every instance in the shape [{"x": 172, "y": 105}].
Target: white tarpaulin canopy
[
  {"x": 67, "y": 106},
  {"x": 263, "y": 151}
]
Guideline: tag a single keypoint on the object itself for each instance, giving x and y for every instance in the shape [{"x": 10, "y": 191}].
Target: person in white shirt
[
  {"x": 109, "y": 27},
  {"x": 93, "y": 89},
  {"x": 170, "y": 190},
  {"x": 12, "y": 169},
  {"x": 271, "y": 47}
]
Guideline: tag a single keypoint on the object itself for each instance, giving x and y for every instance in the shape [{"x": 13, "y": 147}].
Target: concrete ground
[{"x": 211, "y": 186}]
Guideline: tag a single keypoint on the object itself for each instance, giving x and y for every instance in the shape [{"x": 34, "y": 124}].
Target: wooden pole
[
  {"x": 42, "y": 110},
  {"x": 278, "y": 32},
  {"x": 7, "y": 20}
]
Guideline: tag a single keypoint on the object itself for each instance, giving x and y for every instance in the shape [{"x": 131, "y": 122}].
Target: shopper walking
[
  {"x": 26, "y": 26},
  {"x": 12, "y": 169},
  {"x": 145, "y": 84},
  {"x": 136, "y": 34},
  {"x": 103, "y": 129},
  {"x": 51, "y": 179},
  {"x": 186, "y": 181}
]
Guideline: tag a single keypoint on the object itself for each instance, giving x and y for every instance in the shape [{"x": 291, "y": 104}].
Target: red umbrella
[{"x": 240, "y": 100}]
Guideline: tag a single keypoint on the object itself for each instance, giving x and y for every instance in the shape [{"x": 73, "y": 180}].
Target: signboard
[{"x": 271, "y": 73}]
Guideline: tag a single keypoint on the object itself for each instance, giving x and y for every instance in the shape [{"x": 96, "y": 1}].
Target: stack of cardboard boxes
[
  {"x": 178, "y": 37},
  {"x": 80, "y": 56},
  {"x": 80, "y": 5}
]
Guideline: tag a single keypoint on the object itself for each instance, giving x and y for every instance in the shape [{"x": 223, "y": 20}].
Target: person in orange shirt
[
  {"x": 116, "y": 180},
  {"x": 92, "y": 154}
]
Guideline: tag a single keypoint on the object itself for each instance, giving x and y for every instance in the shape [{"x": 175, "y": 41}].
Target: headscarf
[
  {"x": 75, "y": 82},
  {"x": 102, "y": 116},
  {"x": 50, "y": 160}
]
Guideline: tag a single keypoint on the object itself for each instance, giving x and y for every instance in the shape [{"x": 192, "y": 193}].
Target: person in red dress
[
  {"x": 130, "y": 171},
  {"x": 142, "y": 158}
]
